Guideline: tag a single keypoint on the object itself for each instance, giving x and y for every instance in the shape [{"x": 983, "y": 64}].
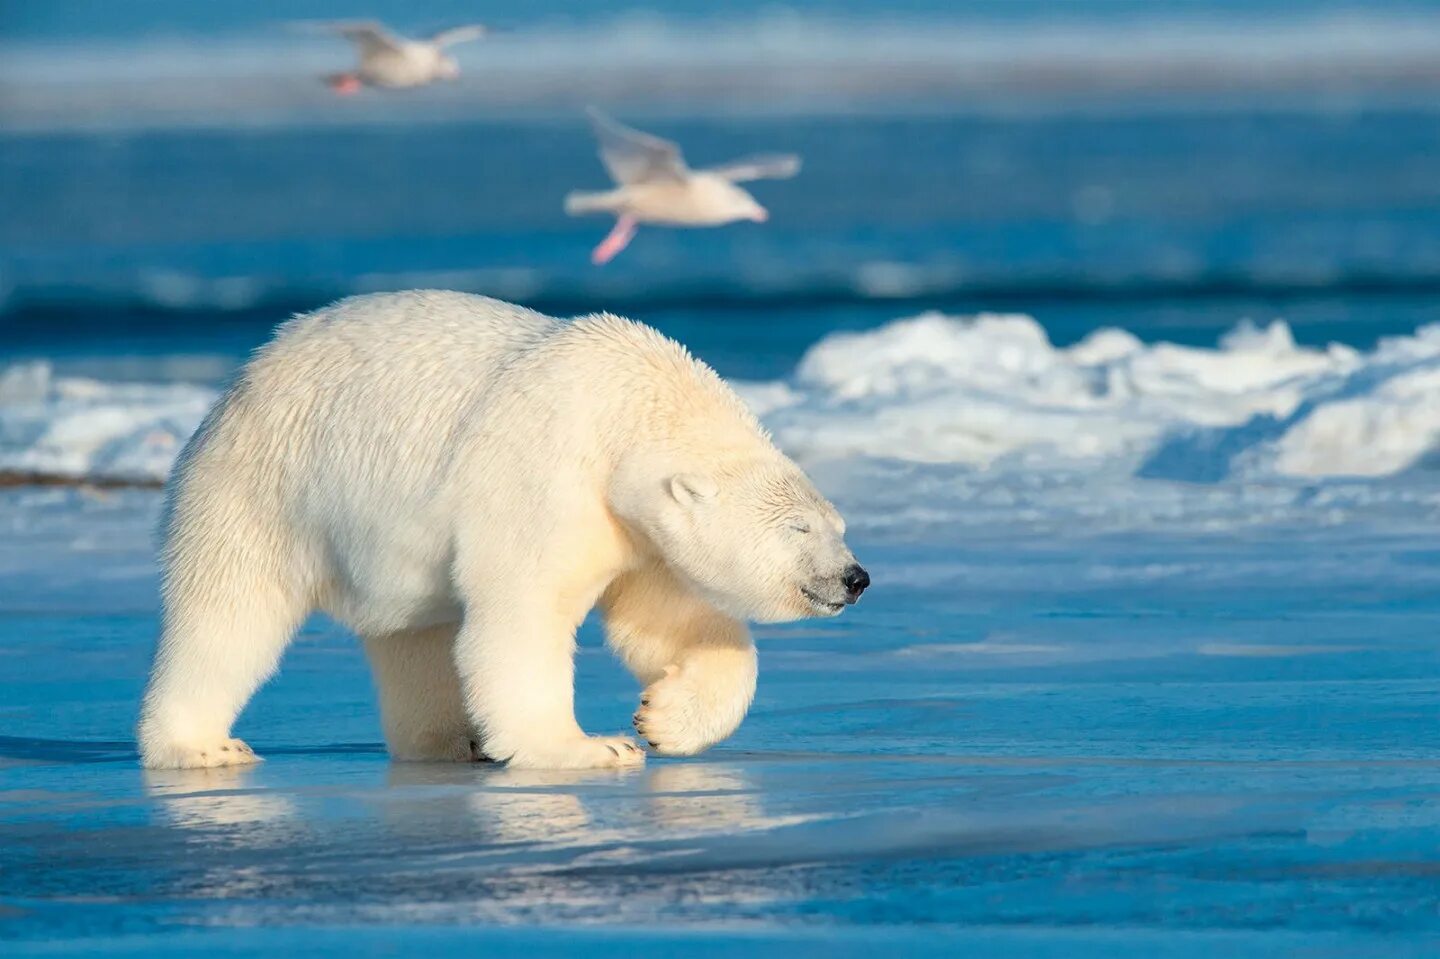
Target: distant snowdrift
[
  {"x": 981, "y": 395},
  {"x": 69, "y": 428},
  {"x": 992, "y": 392}
]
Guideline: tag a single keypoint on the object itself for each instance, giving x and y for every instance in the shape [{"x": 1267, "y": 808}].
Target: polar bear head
[{"x": 755, "y": 538}]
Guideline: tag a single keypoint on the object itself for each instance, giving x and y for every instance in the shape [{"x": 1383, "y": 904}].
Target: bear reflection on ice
[{"x": 460, "y": 481}]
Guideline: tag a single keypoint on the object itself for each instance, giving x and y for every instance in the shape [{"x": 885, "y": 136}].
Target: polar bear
[{"x": 460, "y": 481}]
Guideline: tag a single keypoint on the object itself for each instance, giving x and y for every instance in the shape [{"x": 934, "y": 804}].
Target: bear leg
[
  {"x": 421, "y": 707},
  {"x": 226, "y": 624},
  {"x": 517, "y": 675},
  {"x": 698, "y": 664}
]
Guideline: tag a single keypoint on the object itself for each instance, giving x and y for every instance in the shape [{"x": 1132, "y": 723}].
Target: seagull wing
[
  {"x": 770, "y": 166},
  {"x": 369, "y": 35},
  {"x": 635, "y": 157},
  {"x": 461, "y": 34}
]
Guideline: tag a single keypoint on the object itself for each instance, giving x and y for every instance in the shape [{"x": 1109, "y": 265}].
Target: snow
[
  {"x": 984, "y": 394},
  {"x": 992, "y": 392},
  {"x": 70, "y": 427}
]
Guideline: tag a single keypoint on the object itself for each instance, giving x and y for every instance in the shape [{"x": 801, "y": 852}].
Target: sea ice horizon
[{"x": 945, "y": 418}]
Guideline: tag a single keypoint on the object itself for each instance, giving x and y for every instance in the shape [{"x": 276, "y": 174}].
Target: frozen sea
[
  {"x": 1084, "y": 711},
  {"x": 1114, "y": 337}
]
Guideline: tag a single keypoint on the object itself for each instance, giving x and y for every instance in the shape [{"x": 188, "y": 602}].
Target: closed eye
[{"x": 800, "y": 527}]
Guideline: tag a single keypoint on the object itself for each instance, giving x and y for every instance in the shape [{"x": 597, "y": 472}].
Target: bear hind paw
[{"x": 223, "y": 752}]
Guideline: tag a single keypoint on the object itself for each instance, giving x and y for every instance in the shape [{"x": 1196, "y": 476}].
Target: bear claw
[{"x": 592, "y": 752}]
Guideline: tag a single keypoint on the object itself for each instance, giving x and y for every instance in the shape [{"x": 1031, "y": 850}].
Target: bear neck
[{"x": 659, "y": 395}]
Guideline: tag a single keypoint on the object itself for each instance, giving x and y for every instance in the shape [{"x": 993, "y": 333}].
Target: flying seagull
[
  {"x": 395, "y": 62},
  {"x": 654, "y": 185}
]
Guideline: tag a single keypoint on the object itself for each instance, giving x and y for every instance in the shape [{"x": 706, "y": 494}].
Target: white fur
[{"x": 459, "y": 481}]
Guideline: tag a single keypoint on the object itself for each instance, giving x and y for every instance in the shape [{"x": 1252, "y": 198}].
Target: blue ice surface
[{"x": 1154, "y": 743}]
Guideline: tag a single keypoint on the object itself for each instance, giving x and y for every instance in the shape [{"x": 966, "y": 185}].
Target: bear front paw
[
  {"x": 587, "y": 752},
  {"x": 224, "y": 752},
  {"x": 681, "y": 715}
]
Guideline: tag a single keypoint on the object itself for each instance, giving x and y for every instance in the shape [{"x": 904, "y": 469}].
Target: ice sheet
[
  {"x": 1150, "y": 672},
  {"x": 1020, "y": 742}
]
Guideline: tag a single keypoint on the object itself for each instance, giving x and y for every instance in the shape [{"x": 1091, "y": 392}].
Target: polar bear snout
[
  {"x": 855, "y": 581},
  {"x": 830, "y": 595}
]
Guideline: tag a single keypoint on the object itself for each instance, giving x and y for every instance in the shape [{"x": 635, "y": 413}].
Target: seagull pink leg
[
  {"x": 618, "y": 239},
  {"x": 344, "y": 84}
]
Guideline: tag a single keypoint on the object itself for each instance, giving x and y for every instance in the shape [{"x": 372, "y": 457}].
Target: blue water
[
  {"x": 1173, "y": 225},
  {"x": 40, "y": 19}
]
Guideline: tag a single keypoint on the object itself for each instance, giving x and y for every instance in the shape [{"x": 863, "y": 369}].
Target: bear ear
[{"x": 688, "y": 488}]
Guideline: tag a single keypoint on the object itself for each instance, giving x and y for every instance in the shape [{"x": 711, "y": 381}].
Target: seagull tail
[{"x": 581, "y": 202}]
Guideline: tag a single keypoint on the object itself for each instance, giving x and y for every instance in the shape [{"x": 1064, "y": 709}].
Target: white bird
[
  {"x": 653, "y": 185},
  {"x": 396, "y": 62}
]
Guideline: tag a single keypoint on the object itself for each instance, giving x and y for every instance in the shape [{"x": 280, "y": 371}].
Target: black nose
[{"x": 855, "y": 580}]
